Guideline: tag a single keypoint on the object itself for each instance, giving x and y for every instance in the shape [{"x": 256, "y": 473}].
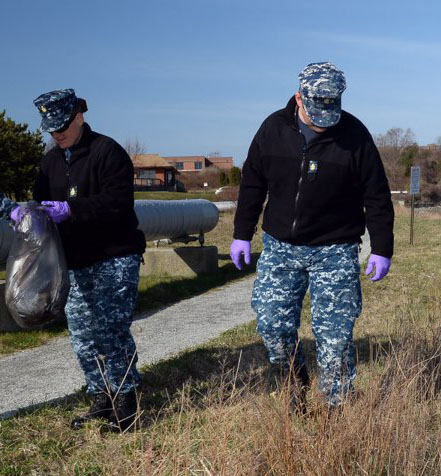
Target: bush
[
  {"x": 20, "y": 155},
  {"x": 432, "y": 194},
  {"x": 223, "y": 178}
]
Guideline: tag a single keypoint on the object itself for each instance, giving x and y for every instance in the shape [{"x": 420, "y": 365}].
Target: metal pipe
[
  {"x": 158, "y": 219},
  {"x": 175, "y": 218}
]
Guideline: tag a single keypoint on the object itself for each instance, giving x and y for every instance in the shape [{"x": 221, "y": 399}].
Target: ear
[
  {"x": 79, "y": 119},
  {"x": 298, "y": 99}
]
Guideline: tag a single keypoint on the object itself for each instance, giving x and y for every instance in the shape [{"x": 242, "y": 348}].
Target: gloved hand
[
  {"x": 381, "y": 264},
  {"x": 239, "y": 248},
  {"x": 17, "y": 214},
  {"x": 57, "y": 211}
]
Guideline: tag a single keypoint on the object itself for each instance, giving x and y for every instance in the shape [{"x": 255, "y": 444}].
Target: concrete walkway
[{"x": 50, "y": 372}]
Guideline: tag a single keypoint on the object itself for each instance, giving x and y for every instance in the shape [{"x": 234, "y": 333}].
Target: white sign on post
[{"x": 415, "y": 173}]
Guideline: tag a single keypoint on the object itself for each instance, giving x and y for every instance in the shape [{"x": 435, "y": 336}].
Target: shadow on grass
[{"x": 203, "y": 369}]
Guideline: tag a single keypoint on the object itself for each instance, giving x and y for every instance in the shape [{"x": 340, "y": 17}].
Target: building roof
[
  {"x": 185, "y": 158},
  {"x": 218, "y": 158},
  {"x": 149, "y": 161}
]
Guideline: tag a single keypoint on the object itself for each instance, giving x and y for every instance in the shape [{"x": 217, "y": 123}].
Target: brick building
[
  {"x": 152, "y": 172},
  {"x": 199, "y": 163}
]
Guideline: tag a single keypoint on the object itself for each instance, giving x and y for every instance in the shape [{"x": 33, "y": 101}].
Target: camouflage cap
[
  {"x": 56, "y": 108},
  {"x": 321, "y": 87}
]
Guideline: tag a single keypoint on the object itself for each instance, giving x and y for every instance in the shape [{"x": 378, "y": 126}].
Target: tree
[
  {"x": 235, "y": 176},
  {"x": 396, "y": 138},
  {"x": 394, "y": 148},
  {"x": 407, "y": 157},
  {"x": 223, "y": 178},
  {"x": 20, "y": 155},
  {"x": 134, "y": 147}
]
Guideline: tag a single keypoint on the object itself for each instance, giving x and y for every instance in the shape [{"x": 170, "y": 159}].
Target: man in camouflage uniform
[
  {"x": 324, "y": 180},
  {"x": 85, "y": 184}
]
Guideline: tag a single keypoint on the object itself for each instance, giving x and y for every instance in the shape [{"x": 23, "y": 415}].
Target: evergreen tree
[
  {"x": 235, "y": 176},
  {"x": 20, "y": 155},
  {"x": 223, "y": 178}
]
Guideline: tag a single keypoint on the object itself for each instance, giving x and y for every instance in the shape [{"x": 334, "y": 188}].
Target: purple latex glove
[
  {"x": 239, "y": 248},
  {"x": 381, "y": 265},
  {"x": 57, "y": 211},
  {"x": 17, "y": 214}
]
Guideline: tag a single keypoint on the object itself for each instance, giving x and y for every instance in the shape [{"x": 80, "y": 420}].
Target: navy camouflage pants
[
  {"x": 99, "y": 314},
  {"x": 284, "y": 273}
]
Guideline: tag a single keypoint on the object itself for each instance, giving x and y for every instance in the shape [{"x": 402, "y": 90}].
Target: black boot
[
  {"x": 296, "y": 380},
  {"x": 101, "y": 408},
  {"x": 124, "y": 414},
  {"x": 302, "y": 385}
]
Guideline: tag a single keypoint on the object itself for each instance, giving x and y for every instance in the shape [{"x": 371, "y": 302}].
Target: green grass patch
[{"x": 26, "y": 339}]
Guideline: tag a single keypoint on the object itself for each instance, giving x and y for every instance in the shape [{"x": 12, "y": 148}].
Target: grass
[
  {"x": 207, "y": 411},
  {"x": 156, "y": 292}
]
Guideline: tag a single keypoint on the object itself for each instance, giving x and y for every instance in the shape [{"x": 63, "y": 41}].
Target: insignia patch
[
  {"x": 73, "y": 191},
  {"x": 313, "y": 166},
  {"x": 43, "y": 109}
]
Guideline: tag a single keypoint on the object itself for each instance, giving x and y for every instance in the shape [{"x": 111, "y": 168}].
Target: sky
[{"x": 194, "y": 77}]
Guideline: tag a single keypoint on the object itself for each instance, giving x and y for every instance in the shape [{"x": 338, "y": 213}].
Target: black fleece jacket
[
  {"x": 98, "y": 186},
  {"x": 322, "y": 193}
]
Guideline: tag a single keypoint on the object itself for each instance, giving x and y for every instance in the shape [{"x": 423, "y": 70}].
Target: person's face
[
  {"x": 66, "y": 138},
  {"x": 304, "y": 115}
]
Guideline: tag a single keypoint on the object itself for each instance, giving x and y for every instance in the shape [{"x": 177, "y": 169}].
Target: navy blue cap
[{"x": 321, "y": 87}]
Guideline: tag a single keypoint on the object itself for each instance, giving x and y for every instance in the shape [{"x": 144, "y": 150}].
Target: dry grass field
[{"x": 208, "y": 411}]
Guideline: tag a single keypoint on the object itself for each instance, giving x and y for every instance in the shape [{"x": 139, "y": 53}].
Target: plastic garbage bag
[{"x": 37, "y": 280}]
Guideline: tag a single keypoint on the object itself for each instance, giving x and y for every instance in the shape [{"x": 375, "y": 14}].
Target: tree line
[{"x": 399, "y": 151}]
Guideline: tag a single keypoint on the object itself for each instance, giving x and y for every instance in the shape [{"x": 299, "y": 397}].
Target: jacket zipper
[
  {"x": 68, "y": 178},
  {"x": 296, "y": 201}
]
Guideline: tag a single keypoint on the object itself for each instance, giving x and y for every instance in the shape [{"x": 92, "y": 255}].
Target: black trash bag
[{"x": 37, "y": 280}]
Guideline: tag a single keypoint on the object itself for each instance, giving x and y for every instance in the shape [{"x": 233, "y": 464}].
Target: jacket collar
[{"x": 85, "y": 139}]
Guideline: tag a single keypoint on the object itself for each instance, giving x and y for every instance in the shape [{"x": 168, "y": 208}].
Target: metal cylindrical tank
[
  {"x": 175, "y": 218},
  {"x": 157, "y": 219}
]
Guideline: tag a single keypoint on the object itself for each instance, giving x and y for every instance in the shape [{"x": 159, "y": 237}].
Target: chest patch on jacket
[
  {"x": 73, "y": 191},
  {"x": 312, "y": 169}
]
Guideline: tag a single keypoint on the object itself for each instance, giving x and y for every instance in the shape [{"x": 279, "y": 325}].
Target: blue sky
[{"x": 191, "y": 77}]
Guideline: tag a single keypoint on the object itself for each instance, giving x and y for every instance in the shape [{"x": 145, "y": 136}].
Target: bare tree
[
  {"x": 134, "y": 147},
  {"x": 396, "y": 138},
  {"x": 394, "y": 146}
]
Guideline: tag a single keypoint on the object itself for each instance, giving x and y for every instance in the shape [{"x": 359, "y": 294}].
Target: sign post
[{"x": 415, "y": 173}]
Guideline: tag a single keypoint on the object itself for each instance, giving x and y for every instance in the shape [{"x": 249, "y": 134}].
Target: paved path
[{"x": 50, "y": 372}]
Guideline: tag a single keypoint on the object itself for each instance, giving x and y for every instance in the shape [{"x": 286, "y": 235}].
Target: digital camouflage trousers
[
  {"x": 284, "y": 273},
  {"x": 99, "y": 314}
]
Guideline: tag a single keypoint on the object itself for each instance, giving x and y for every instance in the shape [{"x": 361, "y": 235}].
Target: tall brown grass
[
  {"x": 392, "y": 427},
  {"x": 210, "y": 411}
]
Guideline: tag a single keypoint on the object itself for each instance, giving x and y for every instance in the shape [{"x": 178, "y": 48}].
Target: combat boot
[
  {"x": 124, "y": 414},
  {"x": 101, "y": 408},
  {"x": 296, "y": 381},
  {"x": 302, "y": 384}
]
